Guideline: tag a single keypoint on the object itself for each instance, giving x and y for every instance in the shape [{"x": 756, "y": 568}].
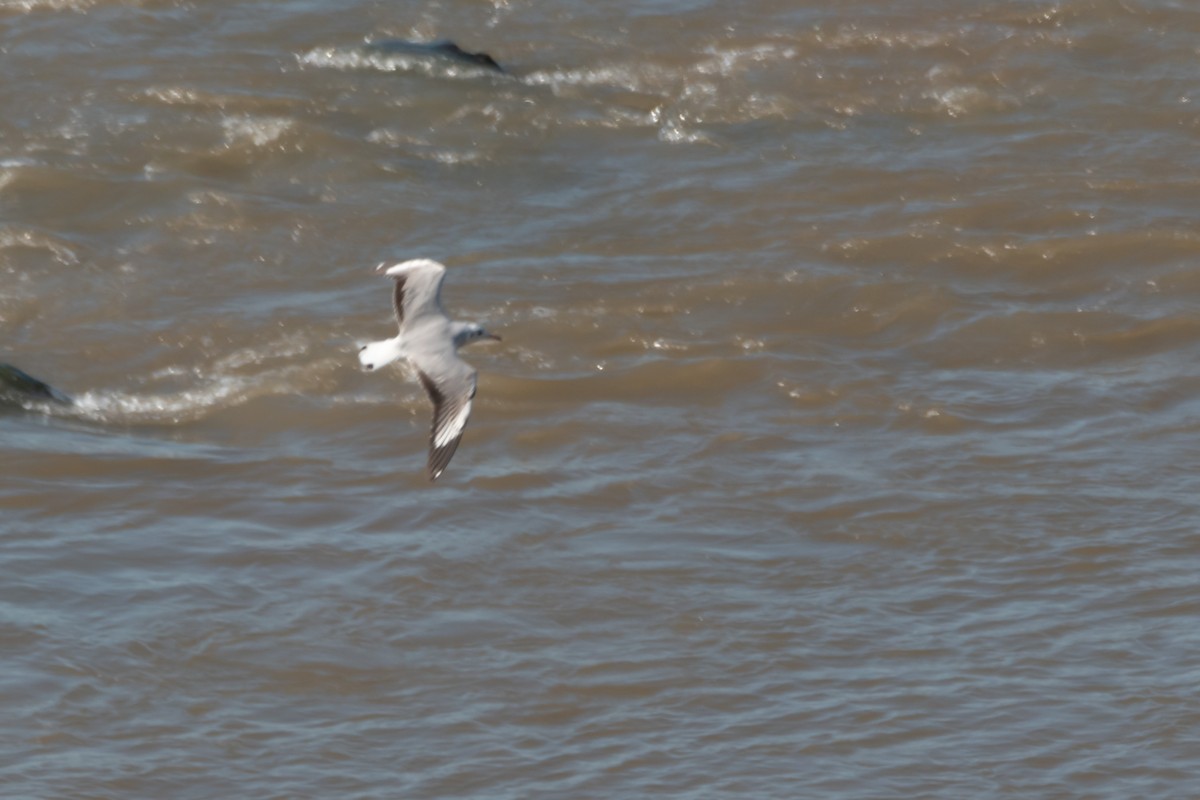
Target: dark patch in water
[
  {"x": 441, "y": 49},
  {"x": 18, "y": 387}
]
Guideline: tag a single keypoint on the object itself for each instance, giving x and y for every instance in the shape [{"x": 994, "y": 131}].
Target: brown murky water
[{"x": 842, "y": 441}]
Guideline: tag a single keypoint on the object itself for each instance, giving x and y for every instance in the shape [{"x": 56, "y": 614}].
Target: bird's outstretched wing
[
  {"x": 418, "y": 288},
  {"x": 451, "y": 389}
]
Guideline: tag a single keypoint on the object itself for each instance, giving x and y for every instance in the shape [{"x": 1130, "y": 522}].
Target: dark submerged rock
[
  {"x": 443, "y": 49},
  {"x": 18, "y": 387}
]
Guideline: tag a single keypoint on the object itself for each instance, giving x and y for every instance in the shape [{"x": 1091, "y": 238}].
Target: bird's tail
[{"x": 378, "y": 354}]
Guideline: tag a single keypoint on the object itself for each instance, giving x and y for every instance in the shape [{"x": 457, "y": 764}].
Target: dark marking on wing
[
  {"x": 398, "y": 298},
  {"x": 439, "y": 457}
]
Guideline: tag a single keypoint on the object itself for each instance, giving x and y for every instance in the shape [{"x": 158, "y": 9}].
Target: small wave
[
  {"x": 424, "y": 150},
  {"x": 13, "y": 237},
  {"x": 956, "y": 97},
  {"x": 46, "y": 5},
  {"x": 19, "y": 161},
  {"x": 187, "y": 405},
  {"x": 673, "y": 132},
  {"x": 101, "y": 406},
  {"x": 680, "y": 100},
  {"x": 726, "y": 61},
  {"x": 185, "y": 96},
  {"x": 636, "y": 77},
  {"x": 644, "y": 77},
  {"x": 848, "y": 37},
  {"x": 280, "y": 367}
]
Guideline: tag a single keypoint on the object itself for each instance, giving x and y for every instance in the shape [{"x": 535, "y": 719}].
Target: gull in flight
[{"x": 430, "y": 340}]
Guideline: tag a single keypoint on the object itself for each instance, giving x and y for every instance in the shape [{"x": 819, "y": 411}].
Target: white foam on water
[
  {"x": 726, "y": 61},
  {"x": 958, "y": 101},
  {"x": 710, "y": 90},
  {"x": 105, "y": 406},
  {"x": 634, "y": 78},
  {"x": 242, "y": 129},
  {"x": 215, "y": 392},
  {"x": 672, "y": 131},
  {"x": 181, "y": 95},
  {"x": 420, "y": 148},
  {"x": 280, "y": 367},
  {"x": 855, "y": 36}
]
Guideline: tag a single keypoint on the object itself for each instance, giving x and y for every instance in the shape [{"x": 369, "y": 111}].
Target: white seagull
[{"x": 429, "y": 340}]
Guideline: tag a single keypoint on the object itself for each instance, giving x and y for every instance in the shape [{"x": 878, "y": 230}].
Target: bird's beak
[
  {"x": 382, "y": 266},
  {"x": 494, "y": 337}
]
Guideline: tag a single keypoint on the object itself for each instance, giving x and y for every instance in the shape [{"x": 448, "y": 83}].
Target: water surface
[{"x": 841, "y": 442}]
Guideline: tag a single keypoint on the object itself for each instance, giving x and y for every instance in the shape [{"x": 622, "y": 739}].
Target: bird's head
[{"x": 472, "y": 332}]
